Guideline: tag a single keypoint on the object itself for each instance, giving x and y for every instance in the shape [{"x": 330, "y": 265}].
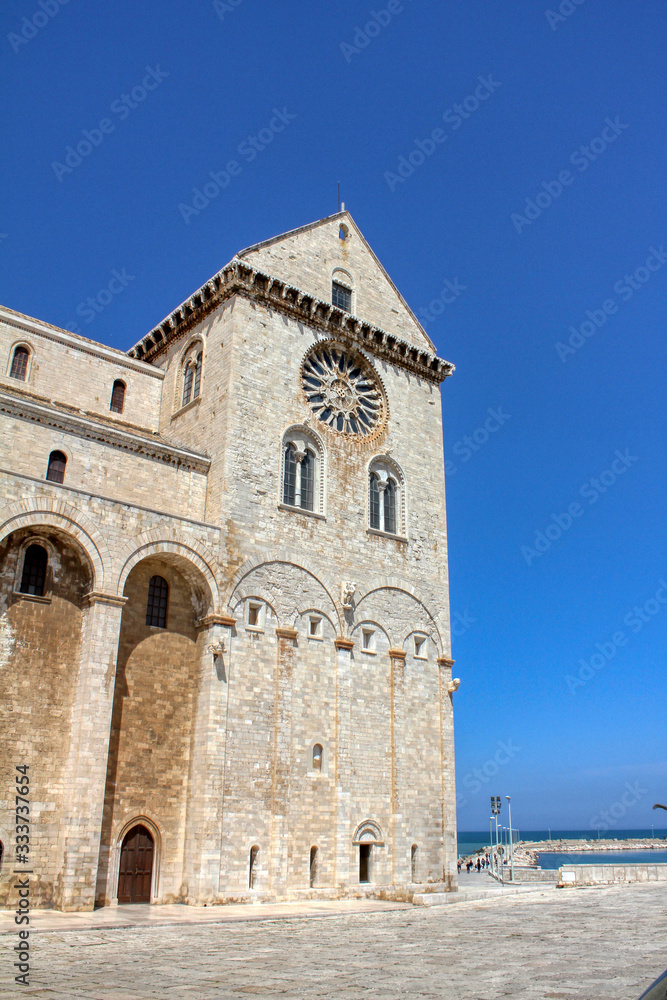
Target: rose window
[{"x": 343, "y": 390}]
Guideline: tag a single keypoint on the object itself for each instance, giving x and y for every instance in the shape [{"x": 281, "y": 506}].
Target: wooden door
[{"x": 136, "y": 866}]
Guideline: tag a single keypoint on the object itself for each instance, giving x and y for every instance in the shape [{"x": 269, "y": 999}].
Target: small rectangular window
[
  {"x": 341, "y": 296},
  {"x": 368, "y": 640},
  {"x": 315, "y": 627},
  {"x": 254, "y": 615},
  {"x": 420, "y": 646}
]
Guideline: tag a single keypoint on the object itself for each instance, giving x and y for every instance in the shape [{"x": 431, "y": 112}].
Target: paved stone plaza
[{"x": 588, "y": 944}]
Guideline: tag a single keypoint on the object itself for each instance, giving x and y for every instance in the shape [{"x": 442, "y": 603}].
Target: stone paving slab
[{"x": 604, "y": 943}]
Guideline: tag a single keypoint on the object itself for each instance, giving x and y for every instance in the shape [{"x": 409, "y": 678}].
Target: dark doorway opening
[
  {"x": 136, "y": 866},
  {"x": 313, "y": 866},
  {"x": 365, "y": 862}
]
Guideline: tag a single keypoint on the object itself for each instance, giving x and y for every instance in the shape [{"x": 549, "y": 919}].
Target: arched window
[
  {"x": 33, "y": 578},
  {"x": 56, "y": 470},
  {"x": 312, "y": 867},
  {"x": 413, "y": 863},
  {"x": 156, "y": 608},
  {"x": 188, "y": 376},
  {"x": 386, "y": 497},
  {"x": 302, "y": 478},
  {"x": 375, "y": 502},
  {"x": 317, "y": 757},
  {"x": 191, "y": 372},
  {"x": 197, "y": 382},
  {"x": 117, "y": 397},
  {"x": 253, "y": 866},
  {"x": 289, "y": 476},
  {"x": 307, "y": 492},
  {"x": 390, "y": 507},
  {"x": 19, "y": 368}
]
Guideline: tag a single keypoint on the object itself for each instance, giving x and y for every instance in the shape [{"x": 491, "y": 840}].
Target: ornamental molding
[
  {"x": 34, "y": 327},
  {"x": 88, "y": 428},
  {"x": 238, "y": 277}
]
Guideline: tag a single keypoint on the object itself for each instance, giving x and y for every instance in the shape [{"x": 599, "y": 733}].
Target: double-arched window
[
  {"x": 302, "y": 481},
  {"x": 191, "y": 372},
  {"x": 386, "y": 497}
]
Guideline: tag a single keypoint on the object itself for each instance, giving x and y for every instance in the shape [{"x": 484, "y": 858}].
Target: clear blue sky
[{"x": 532, "y": 90}]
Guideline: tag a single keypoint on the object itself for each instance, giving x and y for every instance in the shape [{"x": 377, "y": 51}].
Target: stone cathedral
[{"x": 224, "y": 618}]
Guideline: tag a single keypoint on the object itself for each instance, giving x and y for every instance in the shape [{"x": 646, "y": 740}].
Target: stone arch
[
  {"x": 31, "y": 355},
  {"x": 399, "y": 626},
  {"x": 192, "y": 560},
  {"x": 63, "y": 517},
  {"x": 154, "y": 827},
  {"x": 298, "y": 601},
  {"x": 368, "y": 832}
]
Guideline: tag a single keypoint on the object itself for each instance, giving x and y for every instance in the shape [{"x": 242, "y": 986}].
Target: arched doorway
[{"x": 136, "y": 866}]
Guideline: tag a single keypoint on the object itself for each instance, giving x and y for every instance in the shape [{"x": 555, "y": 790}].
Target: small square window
[
  {"x": 341, "y": 296},
  {"x": 368, "y": 640},
  {"x": 315, "y": 627},
  {"x": 254, "y": 614},
  {"x": 420, "y": 646}
]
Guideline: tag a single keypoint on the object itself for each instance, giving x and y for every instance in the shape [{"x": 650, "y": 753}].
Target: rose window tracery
[{"x": 342, "y": 390}]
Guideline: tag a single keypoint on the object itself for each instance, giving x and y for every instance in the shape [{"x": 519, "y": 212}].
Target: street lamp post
[{"x": 511, "y": 843}]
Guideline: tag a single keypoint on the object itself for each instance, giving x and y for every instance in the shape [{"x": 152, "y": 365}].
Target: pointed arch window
[
  {"x": 33, "y": 578},
  {"x": 196, "y": 385},
  {"x": 390, "y": 507},
  {"x": 117, "y": 397},
  {"x": 55, "y": 472},
  {"x": 156, "y": 607},
  {"x": 19, "y": 368},
  {"x": 307, "y": 492}
]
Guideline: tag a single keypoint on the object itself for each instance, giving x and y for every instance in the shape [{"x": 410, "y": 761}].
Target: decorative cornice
[
  {"x": 397, "y": 654},
  {"x": 286, "y": 633},
  {"x": 443, "y": 661},
  {"x": 238, "y": 277},
  {"x": 29, "y": 326},
  {"x": 97, "y": 597},
  {"x": 210, "y": 620},
  {"x": 342, "y": 643},
  {"x": 88, "y": 428}
]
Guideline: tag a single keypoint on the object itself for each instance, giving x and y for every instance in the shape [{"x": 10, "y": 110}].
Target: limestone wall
[{"x": 68, "y": 369}]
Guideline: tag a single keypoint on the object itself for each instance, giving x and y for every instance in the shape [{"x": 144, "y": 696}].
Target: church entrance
[{"x": 136, "y": 866}]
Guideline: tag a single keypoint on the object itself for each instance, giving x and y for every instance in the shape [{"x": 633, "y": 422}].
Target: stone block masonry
[{"x": 226, "y": 691}]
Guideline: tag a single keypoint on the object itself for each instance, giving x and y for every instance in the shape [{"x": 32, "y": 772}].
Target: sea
[{"x": 469, "y": 842}]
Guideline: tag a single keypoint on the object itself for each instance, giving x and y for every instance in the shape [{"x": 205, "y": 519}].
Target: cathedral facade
[{"x": 224, "y": 619}]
